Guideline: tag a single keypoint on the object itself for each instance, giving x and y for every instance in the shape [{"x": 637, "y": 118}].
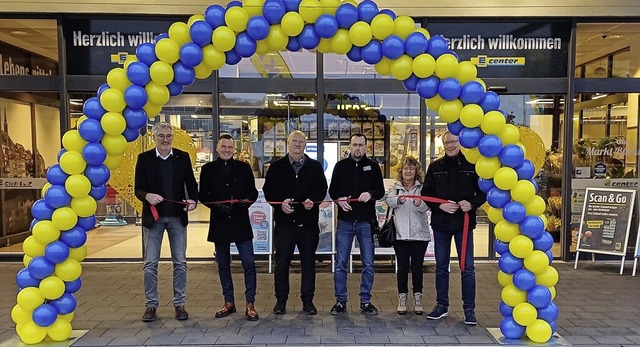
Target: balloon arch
[{"x": 45, "y": 301}]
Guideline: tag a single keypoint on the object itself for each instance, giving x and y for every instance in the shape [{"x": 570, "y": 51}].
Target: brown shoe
[
  {"x": 181, "y": 313},
  {"x": 149, "y": 314},
  {"x": 251, "y": 313},
  {"x": 227, "y": 309}
]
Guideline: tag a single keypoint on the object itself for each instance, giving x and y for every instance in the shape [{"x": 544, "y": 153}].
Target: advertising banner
[{"x": 16, "y": 62}]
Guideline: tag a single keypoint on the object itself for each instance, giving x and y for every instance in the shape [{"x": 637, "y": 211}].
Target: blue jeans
[
  {"x": 223, "y": 258},
  {"x": 344, "y": 240},
  {"x": 178, "y": 245},
  {"x": 442, "y": 247}
]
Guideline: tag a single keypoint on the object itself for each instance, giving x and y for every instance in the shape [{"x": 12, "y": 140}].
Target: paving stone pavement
[{"x": 597, "y": 307}]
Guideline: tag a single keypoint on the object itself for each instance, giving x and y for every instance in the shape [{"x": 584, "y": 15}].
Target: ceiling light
[{"x": 18, "y": 32}]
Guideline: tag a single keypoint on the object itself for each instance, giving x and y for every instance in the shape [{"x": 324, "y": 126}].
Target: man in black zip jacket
[
  {"x": 298, "y": 184},
  {"x": 453, "y": 178},
  {"x": 355, "y": 177}
]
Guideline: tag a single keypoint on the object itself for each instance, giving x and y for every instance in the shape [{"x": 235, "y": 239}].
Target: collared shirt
[
  {"x": 160, "y": 155},
  {"x": 297, "y": 164}
]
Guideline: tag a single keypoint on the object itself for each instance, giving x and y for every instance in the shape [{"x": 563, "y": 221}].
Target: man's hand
[
  {"x": 449, "y": 207},
  {"x": 417, "y": 202},
  {"x": 191, "y": 205},
  {"x": 308, "y": 204},
  {"x": 401, "y": 200},
  {"x": 344, "y": 204},
  {"x": 286, "y": 206},
  {"x": 465, "y": 205},
  {"x": 364, "y": 197},
  {"x": 153, "y": 199}
]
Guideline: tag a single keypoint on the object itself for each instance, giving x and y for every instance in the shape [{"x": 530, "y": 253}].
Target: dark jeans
[
  {"x": 442, "y": 248},
  {"x": 285, "y": 239},
  {"x": 410, "y": 256},
  {"x": 223, "y": 257}
]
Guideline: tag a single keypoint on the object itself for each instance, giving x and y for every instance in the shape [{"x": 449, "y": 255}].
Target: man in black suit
[
  {"x": 226, "y": 179},
  {"x": 162, "y": 176},
  {"x": 297, "y": 182}
]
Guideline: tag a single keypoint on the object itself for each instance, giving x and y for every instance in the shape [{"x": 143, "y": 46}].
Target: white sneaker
[{"x": 402, "y": 303}]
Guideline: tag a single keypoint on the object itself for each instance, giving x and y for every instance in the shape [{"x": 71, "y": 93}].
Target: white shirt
[{"x": 164, "y": 158}]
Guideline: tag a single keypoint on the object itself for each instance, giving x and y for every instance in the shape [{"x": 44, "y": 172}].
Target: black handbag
[{"x": 387, "y": 235}]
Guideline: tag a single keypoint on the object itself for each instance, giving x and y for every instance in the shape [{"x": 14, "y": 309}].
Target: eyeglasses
[
  {"x": 163, "y": 136},
  {"x": 450, "y": 142}
]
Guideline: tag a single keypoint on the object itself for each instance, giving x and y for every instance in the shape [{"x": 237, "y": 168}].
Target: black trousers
[
  {"x": 285, "y": 239},
  {"x": 410, "y": 256}
]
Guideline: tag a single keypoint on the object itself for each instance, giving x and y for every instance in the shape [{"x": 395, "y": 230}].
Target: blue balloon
[
  {"x": 60, "y": 153},
  {"x": 505, "y": 310},
  {"x": 511, "y": 156},
  {"x": 514, "y": 212},
  {"x": 273, "y": 11},
  {"x": 293, "y": 45},
  {"x": 40, "y": 267},
  {"x": 497, "y": 197},
  {"x": 191, "y": 54},
  {"x": 33, "y": 223},
  {"x": 98, "y": 193},
  {"x": 93, "y": 109},
  {"x": 56, "y": 252},
  {"x": 355, "y": 54},
  {"x": 367, "y": 10},
  {"x": 200, "y": 32},
  {"x": 24, "y": 279},
  {"x": 56, "y": 196},
  {"x": 535, "y": 186},
  {"x": 509, "y": 263},
  {"x": 346, "y": 15},
  {"x": 490, "y": 146},
  {"x": 455, "y": 127},
  {"x": 232, "y": 58},
  {"x": 524, "y": 279},
  {"x": 214, "y": 16},
  {"x": 411, "y": 83},
  {"x": 87, "y": 223},
  {"x": 388, "y": 12},
  {"x": 372, "y": 52},
  {"x": 94, "y": 153},
  {"x": 146, "y": 53},
  {"x": 245, "y": 45},
  {"x": 235, "y": 3},
  {"x": 131, "y": 134},
  {"x": 326, "y": 26},
  {"x": 532, "y": 227},
  {"x": 308, "y": 38},
  {"x": 103, "y": 87},
  {"x": 258, "y": 28},
  {"x": 544, "y": 242},
  {"x": 539, "y": 296},
  {"x": 526, "y": 170},
  {"x": 472, "y": 92},
  {"x": 64, "y": 304},
  {"x": 490, "y": 102},
  {"x": 291, "y": 5},
  {"x": 74, "y": 237},
  {"x": 428, "y": 87},
  {"x": 73, "y": 286},
  {"x": 510, "y": 329},
  {"x": 97, "y": 174},
  {"x": 393, "y": 47},
  {"x": 162, "y": 36},
  {"x": 55, "y": 175},
  {"x": 415, "y": 44},
  {"x": 176, "y": 89},
  {"x": 550, "y": 256},
  {"x": 135, "y": 118},
  {"x": 138, "y": 73},
  {"x": 183, "y": 75},
  {"x": 453, "y": 54},
  {"x": 438, "y": 46},
  {"x": 485, "y": 184},
  {"x": 40, "y": 210},
  {"x": 449, "y": 89},
  {"x": 470, "y": 137},
  {"x": 501, "y": 247},
  {"x": 549, "y": 313},
  {"x": 44, "y": 315},
  {"x": 90, "y": 130},
  {"x": 135, "y": 96},
  {"x": 553, "y": 326}
]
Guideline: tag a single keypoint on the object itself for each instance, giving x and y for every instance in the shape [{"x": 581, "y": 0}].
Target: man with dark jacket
[
  {"x": 161, "y": 177},
  {"x": 454, "y": 179},
  {"x": 359, "y": 178},
  {"x": 298, "y": 185},
  {"x": 227, "y": 179}
]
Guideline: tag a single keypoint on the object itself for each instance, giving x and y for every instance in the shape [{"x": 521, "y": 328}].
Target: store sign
[
  {"x": 16, "y": 62},
  {"x": 22, "y": 183},
  {"x": 95, "y": 46},
  {"x": 509, "y": 50}
]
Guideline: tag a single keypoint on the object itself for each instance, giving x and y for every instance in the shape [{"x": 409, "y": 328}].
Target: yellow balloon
[
  {"x": 130, "y": 59},
  {"x": 64, "y": 218},
  {"x": 424, "y": 32},
  {"x": 81, "y": 119},
  {"x": 32, "y": 333},
  {"x": 152, "y": 110},
  {"x": 157, "y": 94},
  {"x": 403, "y": 26},
  {"x": 202, "y": 71},
  {"x": 72, "y": 162},
  {"x": 29, "y": 298},
  {"x": 493, "y": 122},
  {"x": 446, "y": 66},
  {"x": 114, "y": 123},
  {"x": 112, "y": 162},
  {"x": 536, "y": 262},
  {"x": 352, "y": 2},
  {"x": 179, "y": 32},
  {"x": 539, "y": 331},
  {"x": 340, "y": 42},
  {"x": 535, "y": 206},
  {"x": 360, "y": 33},
  {"x": 402, "y": 68},
  {"x": 224, "y": 39},
  {"x": 168, "y": 50},
  {"x": 114, "y": 145},
  {"x": 472, "y": 155},
  {"x": 505, "y": 279},
  {"x": 434, "y": 103},
  {"x": 467, "y": 71},
  {"x": 382, "y": 26},
  {"x": 194, "y": 18},
  {"x": 525, "y": 314},
  {"x": 236, "y": 19},
  {"x": 112, "y": 100},
  {"x": 253, "y": 7},
  {"x": 85, "y": 206},
  {"x": 329, "y": 6},
  {"x": 292, "y": 23},
  {"x": 51, "y": 287},
  {"x": 213, "y": 57},
  {"x": 506, "y": 231},
  {"x": 486, "y": 167},
  {"x": 26, "y": 260},
  {"x": 117, "y": 78},
  {"x": 310, "y": 10},
  {"x": 553, "y": 292},
  {"x": 19, "y": 329},
  {"x": 424, "y": 65},
  {"x": 544, "y": 220},
  {"x": 513, "y": 296},
  {"x": 79, "y": 253},
  {"x": 520, "y": 246},
  {"x": 19, "y": 315},
  {"x": 495, "y": 215},
  {"x": 481, "y": 81},
  {"x": 276, "y": 38},
  {"x": 45, "y": 187},
  {"x": 383, "y": 67},
  {"x": 60, "y": 330},
  {"x": 33, "y": 247},
  {"x": 324, "y": 46},
  {"x": 161, "y": 72},
  {"x": 69, "y": 270},
  {"x": 548, "y": 278},
  {"x": 505, "y": 178},
  {"x": 450, "y": 110},
  {"x": 471, "y": 115},
  {"x": 67, "y": 317},
  {"x": 77, "y": 186},
  {"x": 509, "y": 134},
  {"x": 262, "y": 47},
  {"x": 523, "y": 191}
]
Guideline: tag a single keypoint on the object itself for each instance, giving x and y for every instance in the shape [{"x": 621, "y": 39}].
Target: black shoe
[
  {"x": 438, "y": 312},
  {"x": 280, "y": 307},
  {"x": 181, "y": 313},
  {"x": 368, "y": 309},
  {"x": 339, "y": 308},
  {"x": 309, "y": 308},
  {"x": 149, "y": 314},
  {"x": 470, "y": 317}
]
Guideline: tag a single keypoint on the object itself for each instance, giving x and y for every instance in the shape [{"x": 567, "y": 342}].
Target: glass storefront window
[
  {"x": 339, "y": 66},
  {"x": 282, "y": 64},
  {"x": 622, "y": 64},
  {"x": 607, "y": 50}
]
